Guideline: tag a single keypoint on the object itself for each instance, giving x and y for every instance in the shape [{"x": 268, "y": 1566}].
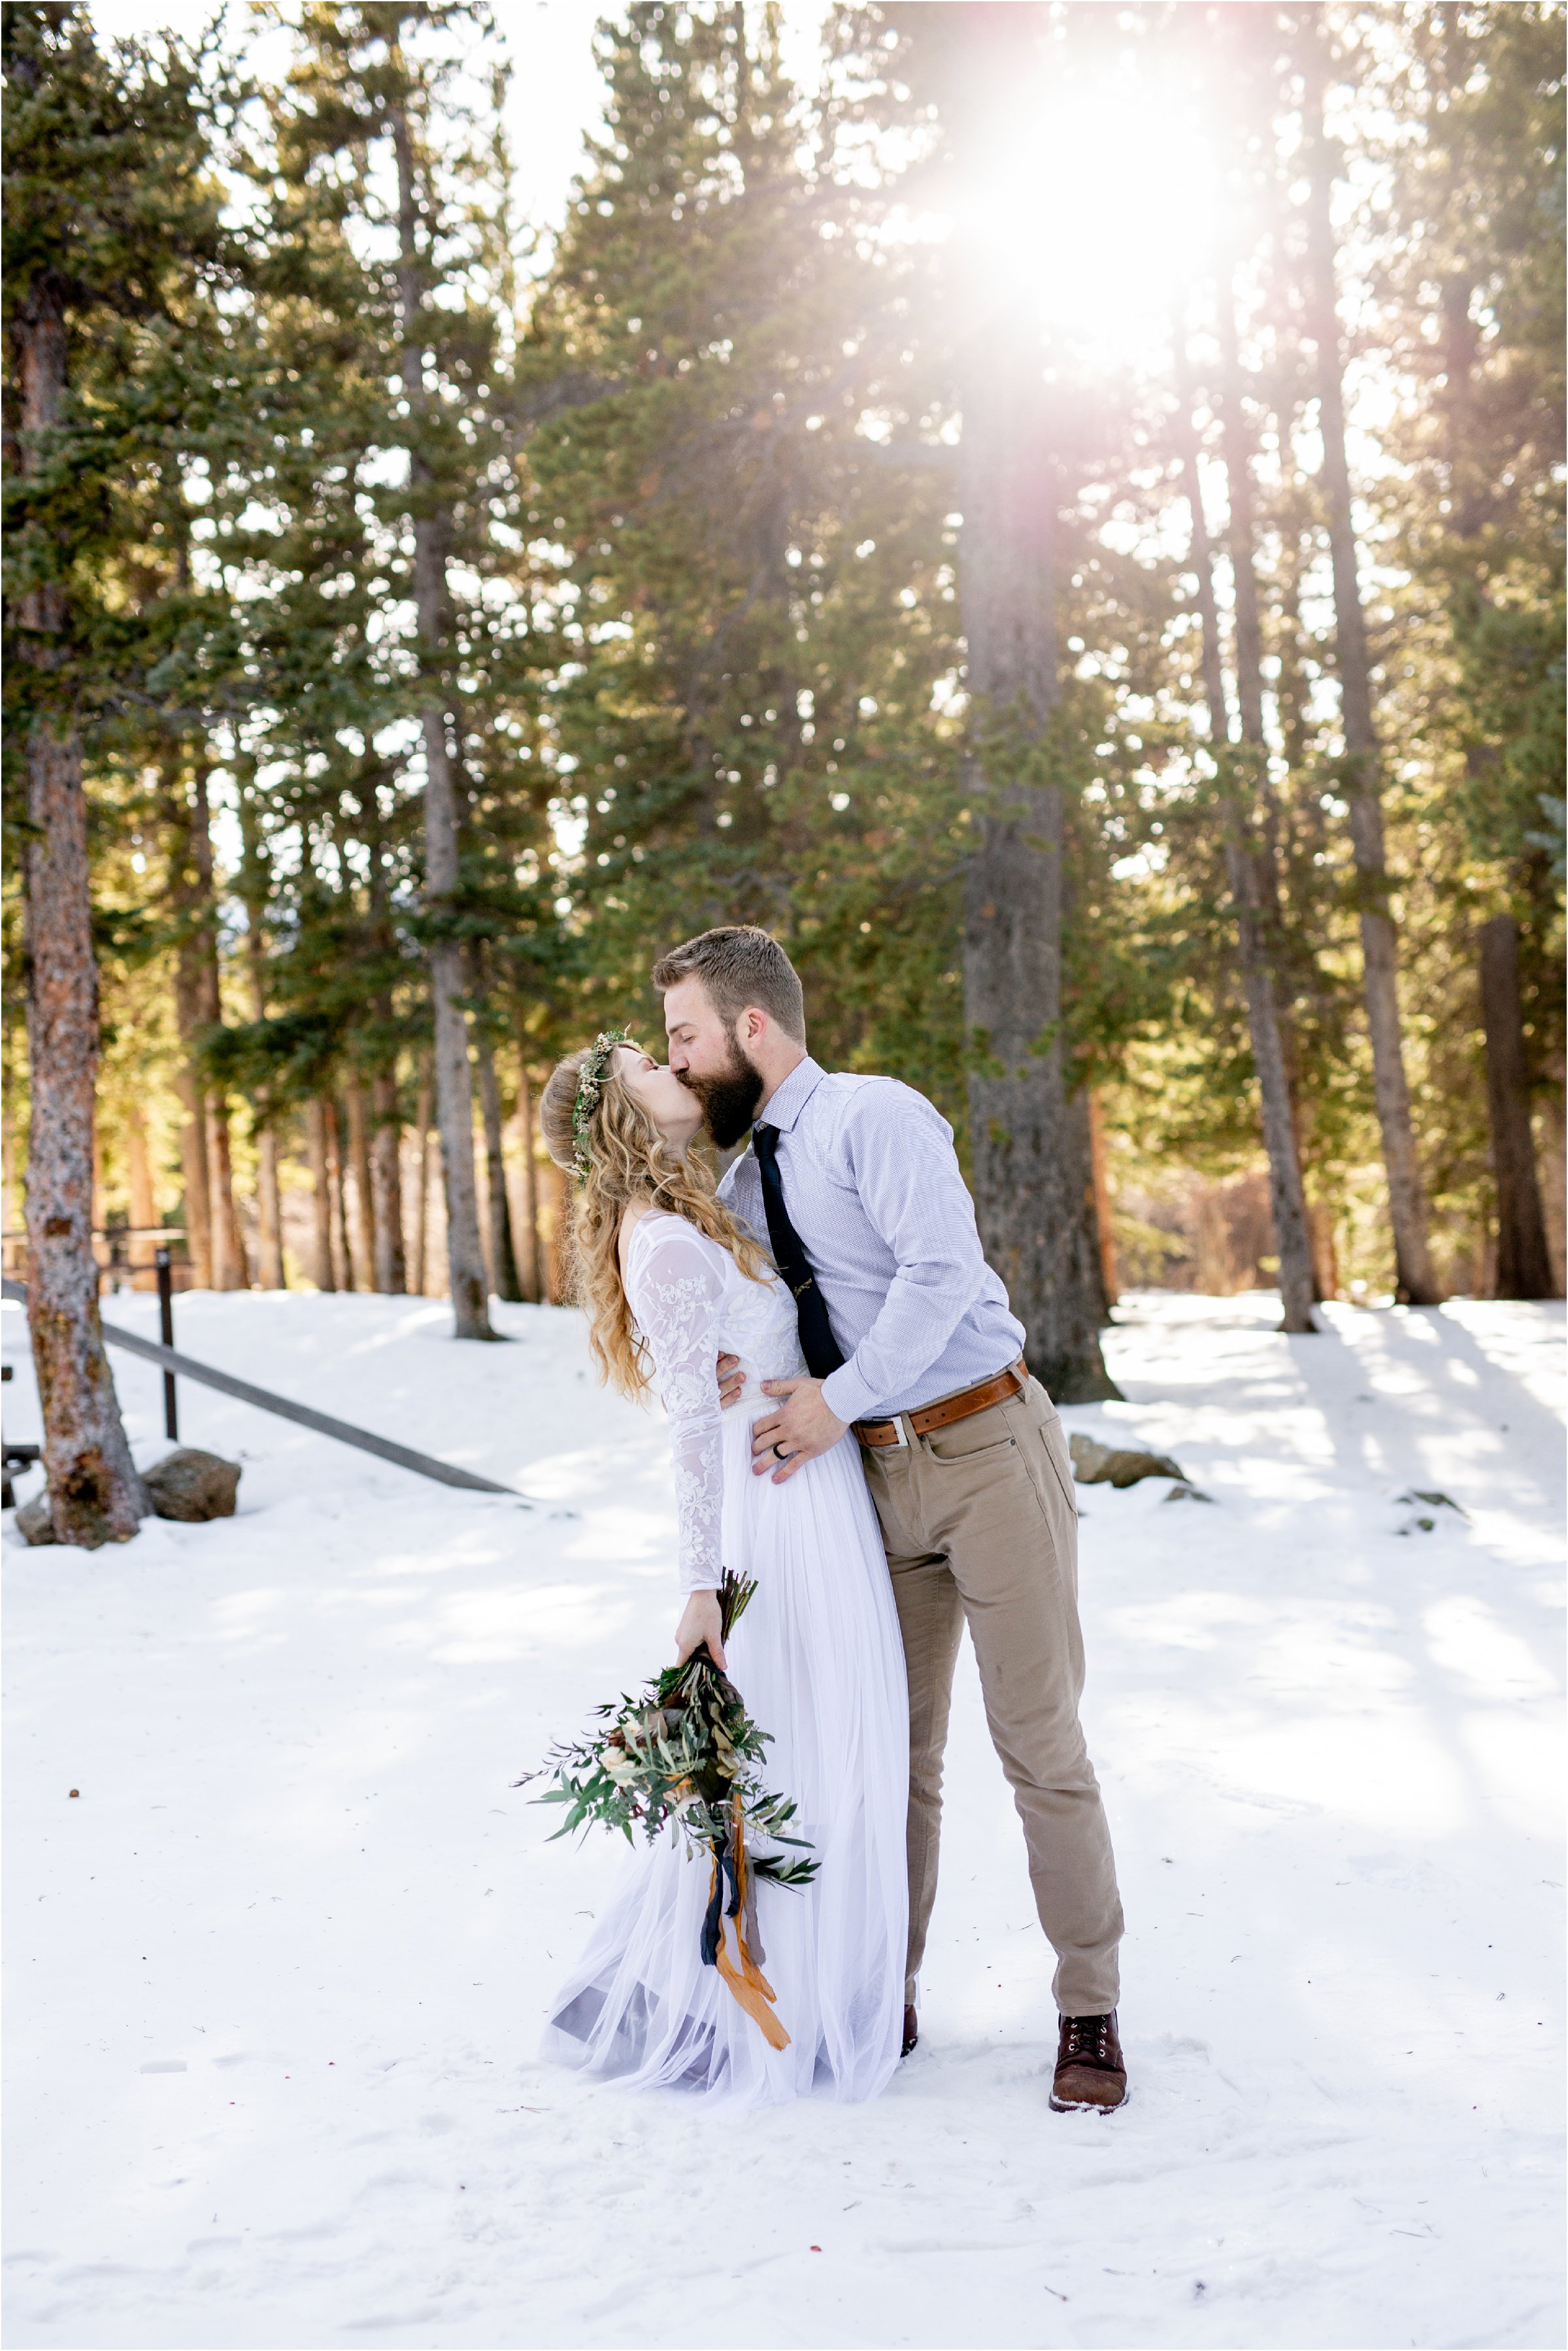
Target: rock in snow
[
  {"x": 191, "y": 1484},
  {"x": 34, "y": 1523},
  {"x": 1094, "y": 1464},
  {"x": 186, "y": 1484},
  {"x": 298, "y": 1870}
]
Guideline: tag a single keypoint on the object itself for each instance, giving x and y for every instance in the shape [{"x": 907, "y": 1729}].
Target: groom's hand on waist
[
  {"x": 799, "y": 1426},
  {"x": 731, "y": 1380}
]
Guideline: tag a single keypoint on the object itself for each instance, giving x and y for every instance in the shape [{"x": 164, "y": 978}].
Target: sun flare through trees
[{"x": 1055, "y": 511}]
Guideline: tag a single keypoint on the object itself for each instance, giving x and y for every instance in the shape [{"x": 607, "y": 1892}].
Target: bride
[{"x": 668, "y": 1280}]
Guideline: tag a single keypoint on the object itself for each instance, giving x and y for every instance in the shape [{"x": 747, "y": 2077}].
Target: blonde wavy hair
[{"x": 628, "y": 1160}]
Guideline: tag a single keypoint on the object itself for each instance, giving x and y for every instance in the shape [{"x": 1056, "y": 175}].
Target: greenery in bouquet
[{"x": 687, "y": 1752}]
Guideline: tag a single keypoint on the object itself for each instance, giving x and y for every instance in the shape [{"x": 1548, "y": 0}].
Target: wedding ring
[{"x": 780, "y": 1453}]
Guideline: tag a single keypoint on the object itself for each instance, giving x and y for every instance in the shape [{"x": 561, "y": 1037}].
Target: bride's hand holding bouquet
[{"x": 701, "y": 1627}]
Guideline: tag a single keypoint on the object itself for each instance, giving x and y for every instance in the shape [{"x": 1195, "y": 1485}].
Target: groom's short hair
[{"x": 739, "y": 965}]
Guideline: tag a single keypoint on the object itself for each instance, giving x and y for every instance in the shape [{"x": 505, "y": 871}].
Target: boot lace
[{"x": 1086, "y": 2036}]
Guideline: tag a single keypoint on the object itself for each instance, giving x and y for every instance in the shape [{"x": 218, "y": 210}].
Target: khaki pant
[{"x": 981, "y": 1527}]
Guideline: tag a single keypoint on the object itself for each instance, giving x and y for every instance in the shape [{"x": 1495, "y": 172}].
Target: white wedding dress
[{"x": 818, "y": 1660}]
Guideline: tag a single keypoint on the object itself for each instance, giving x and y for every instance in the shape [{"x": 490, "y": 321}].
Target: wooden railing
[{"x": 424, "y": 1465}]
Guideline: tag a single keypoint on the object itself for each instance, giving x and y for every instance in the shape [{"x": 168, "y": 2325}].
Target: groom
[{"x": 911, "y": 1342}]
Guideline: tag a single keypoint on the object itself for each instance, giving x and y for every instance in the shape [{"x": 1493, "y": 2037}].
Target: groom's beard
[{"x": 729, "y": 1100}]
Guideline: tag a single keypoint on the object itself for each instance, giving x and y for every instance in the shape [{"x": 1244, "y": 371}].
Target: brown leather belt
[{"x": 931, "y": 1417}]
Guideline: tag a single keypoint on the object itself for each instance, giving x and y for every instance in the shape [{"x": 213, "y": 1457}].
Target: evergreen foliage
[{"x": 689, "y": 474}]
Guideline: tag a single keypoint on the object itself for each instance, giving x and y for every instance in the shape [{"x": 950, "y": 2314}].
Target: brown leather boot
[
  {"x": 911, "y": 2030},
  {"x": 1091, "y": 2077}
]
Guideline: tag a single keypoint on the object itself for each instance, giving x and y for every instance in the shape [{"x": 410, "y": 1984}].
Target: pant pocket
[
  {"x": 1053, "y": 1444},
  {"x": 975, "y": 1453}
]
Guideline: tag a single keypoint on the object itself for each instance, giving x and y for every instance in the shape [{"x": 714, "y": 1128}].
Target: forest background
[{"x": 1098, "y": 464}]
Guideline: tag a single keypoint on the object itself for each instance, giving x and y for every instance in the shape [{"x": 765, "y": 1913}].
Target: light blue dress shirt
[{"x": 874, "y": 1188}]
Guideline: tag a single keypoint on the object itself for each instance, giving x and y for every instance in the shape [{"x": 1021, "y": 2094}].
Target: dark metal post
[{"x": 166, "y": 1331}]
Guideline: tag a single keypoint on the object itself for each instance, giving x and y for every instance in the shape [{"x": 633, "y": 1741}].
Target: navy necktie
[{"x": 818, "y": 1344}]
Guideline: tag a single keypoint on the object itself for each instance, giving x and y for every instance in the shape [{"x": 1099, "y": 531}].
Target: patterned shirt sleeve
[{"x": 675, "y": 1288}]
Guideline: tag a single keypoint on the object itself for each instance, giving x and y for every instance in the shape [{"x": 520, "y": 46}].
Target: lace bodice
[{"x": 692, "y": 1303}]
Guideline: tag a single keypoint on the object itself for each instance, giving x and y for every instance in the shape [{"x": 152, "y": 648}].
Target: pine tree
[
  {"x": 747, "y": 612},
  {"x": 370, "y": 81},
  {"x": 1476, "y": 282},
  {"x": 1238, "y": 778},
  {"x": 1363, "y": 754},
  {"x": 108, "y": 216},
  {"x": 309, "y": 694}
]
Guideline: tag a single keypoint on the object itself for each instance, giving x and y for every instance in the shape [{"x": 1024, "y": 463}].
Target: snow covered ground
[{"x": 259, "y": 2096}]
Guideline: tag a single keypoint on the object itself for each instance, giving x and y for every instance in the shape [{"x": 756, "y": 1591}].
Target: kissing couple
[{"x": 855, "y": 1429}]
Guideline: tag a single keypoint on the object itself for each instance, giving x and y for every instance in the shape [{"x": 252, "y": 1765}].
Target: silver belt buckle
[{"x": 897, "y": 1420}]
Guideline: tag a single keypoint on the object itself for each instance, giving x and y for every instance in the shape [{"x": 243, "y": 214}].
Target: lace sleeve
[{"x": 675, "y": 1280}]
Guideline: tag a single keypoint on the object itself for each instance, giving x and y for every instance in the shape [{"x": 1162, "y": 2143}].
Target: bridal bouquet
[{"x": 687, "y": 1751}]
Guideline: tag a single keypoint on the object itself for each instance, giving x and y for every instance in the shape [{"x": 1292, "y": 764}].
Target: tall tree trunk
[
  {"x": 99, "y": 1207},
  {"x": 225, "y": 1240},
  {"x": 386, "y": 1185},
  {"x": 1029, "y": 1131},
  {"x": 1241, "y": 778},
  {"x": 189, "y": 1011},
  {"x": 1028, "y": 1141},
  {"x": 421, "y": 1178},
  {"x": 503, "y": 1257},
  {"x": 549, "y": 1204},
  {"x": 193, "y": 1166},
  {"x": 467, "y": 1280},
  {"x": 1523, "y": 1264},
  {"x": 338, "y": 1197},
  {"x": 1320, "y": 1220},
  {"x": 270, "y": 1269},
  {"x": 1553, "y": 1163},
  {"x": 1103, "y": 1201},
  {"x": 95, "y": 1493},
  {"x": 454, "y": 1076},
  {"x": 144, "y": 1199},
  {"x": 1263, "y": 814},
  {"x": 321, "y": 1192},
  {"x": 11, "y": 1194},
  {"x": 231, "y": 1269},
  {"x": 1326, "y": 1256},
  {"x": 362, "y": 1224},
  {"x": 216, "y": 1250},
  {"x": 528, "y": 1191},
  {"x": 1292, "y": 695},
  {"x": 1461, "y": 344},
  {"x": 553, "y": 1253},
  {"x": 1417, "y": 1283}
]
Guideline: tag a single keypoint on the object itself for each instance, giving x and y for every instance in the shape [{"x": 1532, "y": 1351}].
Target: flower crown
[{"x": 589, "y": 1086}]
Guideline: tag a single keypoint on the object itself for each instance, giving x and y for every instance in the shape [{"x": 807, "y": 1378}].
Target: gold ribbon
[{"x": 747, "y": 1984}]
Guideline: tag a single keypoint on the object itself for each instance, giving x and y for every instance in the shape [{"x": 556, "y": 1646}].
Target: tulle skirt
[{"x": 818, "y": 1660}]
